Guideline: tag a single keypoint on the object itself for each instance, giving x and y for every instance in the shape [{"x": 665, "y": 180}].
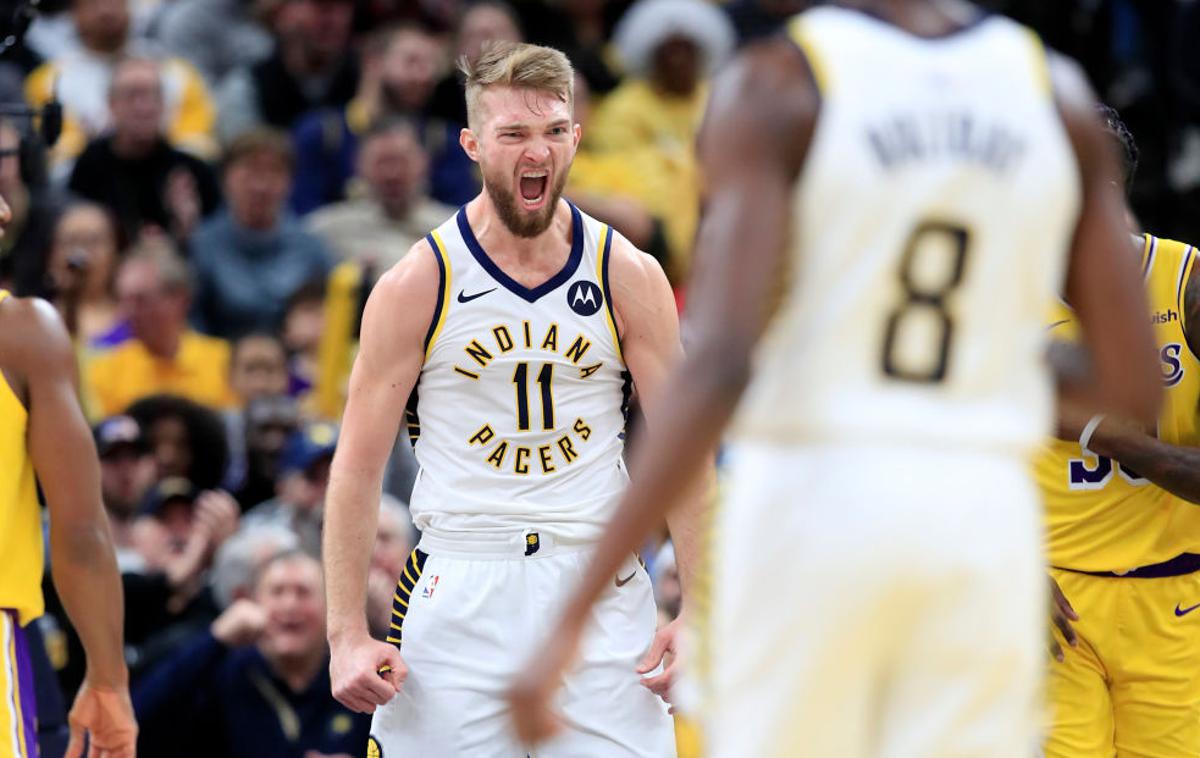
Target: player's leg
[
  {"x": 797, "y": 618},
  {"x": 18, "y": 730},
  {"x": 1156, "y": 697},
  {"x": 457, "y": 639},
  {"x": 607, "y": 710},
  {"x": 964, "y": 675},
  {"x": 1079, "y": 708}
]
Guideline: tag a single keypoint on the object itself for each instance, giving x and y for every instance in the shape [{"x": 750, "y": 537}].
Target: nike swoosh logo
[
  {"x": 1185, "y": 611},
  {"x": 622, "y": 582},
  {"x": 465, "y": 298}
]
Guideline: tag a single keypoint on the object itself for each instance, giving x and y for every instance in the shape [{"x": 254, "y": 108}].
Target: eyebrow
[{"x": 517, "y": 126}]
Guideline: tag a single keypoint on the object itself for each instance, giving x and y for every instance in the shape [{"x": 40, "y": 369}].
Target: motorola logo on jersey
[{"x": 584, "y": 298}]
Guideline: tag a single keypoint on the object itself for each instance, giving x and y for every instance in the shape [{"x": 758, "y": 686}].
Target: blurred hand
[
  {"x": 216, "y": 517},
  {"x": 106, "y": 716},
  {"x": 664, "y": 645},
  {"x": 241, "y": 624},
  {"x": 1062, "y": 614},
  {"x": 365, "y": 673},
  {"x": 532, "y": 691}
]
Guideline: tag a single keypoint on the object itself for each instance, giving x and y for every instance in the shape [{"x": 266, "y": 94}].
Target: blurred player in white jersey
[
  {"x": 517, "y": 327},
  {"x": 892, "y": 194}
]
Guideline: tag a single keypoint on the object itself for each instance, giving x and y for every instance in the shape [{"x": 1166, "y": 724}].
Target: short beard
[{"x": 523, "y": 225}]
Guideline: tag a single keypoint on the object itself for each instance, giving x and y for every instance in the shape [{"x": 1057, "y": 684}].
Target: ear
[
  {"x": 578, "y": 130},
  {"x": 470, "y": 143}
]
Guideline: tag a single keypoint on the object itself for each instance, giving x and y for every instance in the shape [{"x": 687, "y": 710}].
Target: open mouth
[{"x": 533, "y": 188}]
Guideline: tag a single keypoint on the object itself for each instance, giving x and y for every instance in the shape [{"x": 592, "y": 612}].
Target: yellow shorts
[{"x": 1132, "y": 686}]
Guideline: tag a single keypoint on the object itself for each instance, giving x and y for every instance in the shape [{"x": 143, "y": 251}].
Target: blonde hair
[{"x": 521, "y": 65}]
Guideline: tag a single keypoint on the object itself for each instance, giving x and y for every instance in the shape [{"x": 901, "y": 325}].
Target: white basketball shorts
[
  {"x": 468, "y": 615},
  {"x": 875, "y": 601}
]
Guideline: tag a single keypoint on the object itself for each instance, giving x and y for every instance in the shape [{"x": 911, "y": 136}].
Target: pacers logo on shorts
[
  {"x": 584, "y": 298},
  {"x": 532, "y": 543},
  {"x": 373, "y": 748}
]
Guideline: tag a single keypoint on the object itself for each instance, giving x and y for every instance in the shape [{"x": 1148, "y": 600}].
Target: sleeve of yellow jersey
[{"x": 191, "y": 126}]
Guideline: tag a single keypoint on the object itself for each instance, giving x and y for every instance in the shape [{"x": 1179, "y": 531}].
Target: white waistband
[{"x": 530, "y": 543}]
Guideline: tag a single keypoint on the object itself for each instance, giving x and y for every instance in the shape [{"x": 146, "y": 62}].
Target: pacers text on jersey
[{"x": 508, "y": 454}]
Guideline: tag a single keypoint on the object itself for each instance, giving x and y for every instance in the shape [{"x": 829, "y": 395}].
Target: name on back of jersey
[
  {"x": 917, "y": 137},
  {"x": 538, "y": 357}
]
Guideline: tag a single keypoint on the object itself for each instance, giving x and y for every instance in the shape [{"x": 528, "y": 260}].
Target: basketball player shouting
[
  {"x": 918, "y": 172},
  {"x": 516, "y": 327}
]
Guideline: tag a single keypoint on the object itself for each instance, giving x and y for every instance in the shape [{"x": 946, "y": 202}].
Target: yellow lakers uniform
[
  {"x": 20, "y": 574},
  {"x": 1127, "y": 555}
]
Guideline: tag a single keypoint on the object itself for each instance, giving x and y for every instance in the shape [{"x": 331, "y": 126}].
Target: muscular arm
[
  {"x": 756, "y": 130},
  {"x": 1175, "y": 468},
  {"x": 645, "y": 309},
  {"x": 1103, "y": 282},
  {"x": 82, "y": 558},
  {"x": 389, "y": 360}
]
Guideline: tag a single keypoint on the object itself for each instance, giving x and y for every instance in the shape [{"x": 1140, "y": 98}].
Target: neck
[
  {"x": 396, "y": 211},
  {"x": 124, "y": 146},
  {"x": 166, "y": 346},
  {"x": 921, "y": 17},
  {"x": 494, "y": 236},
  {"x": 298, "y": 671}
]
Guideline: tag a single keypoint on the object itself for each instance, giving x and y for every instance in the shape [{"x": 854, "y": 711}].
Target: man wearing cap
[
  {"x": 256, "y": 441},
  {"x": 304, "y": 477},
  {"x": 126, "y": 472}
]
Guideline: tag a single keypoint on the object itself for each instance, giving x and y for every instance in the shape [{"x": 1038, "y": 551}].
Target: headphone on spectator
[{"x": 14, "y": 22}]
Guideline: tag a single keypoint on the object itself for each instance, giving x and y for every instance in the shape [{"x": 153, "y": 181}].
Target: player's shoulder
[
  {"x": 406, "y": 293},
  {"x": 630, "y": 269},
  {"x": 32, "y": 336}
]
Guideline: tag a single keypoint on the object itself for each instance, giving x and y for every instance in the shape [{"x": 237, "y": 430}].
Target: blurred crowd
[{"x": 234, "y": 175}]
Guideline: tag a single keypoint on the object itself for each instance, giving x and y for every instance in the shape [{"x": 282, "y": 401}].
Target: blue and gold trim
[
  {"x": 602, "y": 258},
  {"x": 1148, "y": 256},
  {"x": 518, "y": 289},
  {"x": 1185, "y": 271},
  {"x": 404, "y": 589},
  {"x": 443, "y": 298}
]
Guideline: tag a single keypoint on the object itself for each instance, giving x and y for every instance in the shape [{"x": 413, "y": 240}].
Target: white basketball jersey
[
  {"x": 519, "y": 411},
  {"x": 932, "y": 219}
]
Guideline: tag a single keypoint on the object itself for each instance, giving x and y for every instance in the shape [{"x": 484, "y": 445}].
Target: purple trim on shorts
[{"x": 27, "y": 700}]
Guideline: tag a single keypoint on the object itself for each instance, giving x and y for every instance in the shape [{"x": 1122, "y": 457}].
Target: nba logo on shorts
[
  {"x": 584, "y": 298},
  {"x": 430, "y": 586}
]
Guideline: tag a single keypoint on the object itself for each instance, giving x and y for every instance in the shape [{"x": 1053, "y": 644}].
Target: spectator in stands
[
  {"x": 134, "y": 170},
  {"x": 311, "y": 66},
  {"x": 393, "y": 212},
  {"x": 217, "y": 36},
  {"x": 257, "y": 682},
  {"x": 393, "y": 544},
  {"x": 610, "y": 186},
  {"x": 303, "y": 479},
  {"x": 252, "y": 256},
  {"x": 80, "y": 80},
  {"x": 668, "y": 47},
  {"x": 164, "y": 355},
  {"x": 81, "y": 268},
  {"x": 35, "y": 207},
  {"x": 257, "y": 367},
  {"x": 127, "y": 472},
  {"x": 187, "y": 439},
  {"x": 303, "y": 326},
  {"x": 479, "y": 23},
  {"x": 242, "y": 558},
  {"x": 179, "y": 530},
  {"x": 401, "y": 67},
  {"x": 581, "y": 29},
  {"x": 266, "y": 425}
]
